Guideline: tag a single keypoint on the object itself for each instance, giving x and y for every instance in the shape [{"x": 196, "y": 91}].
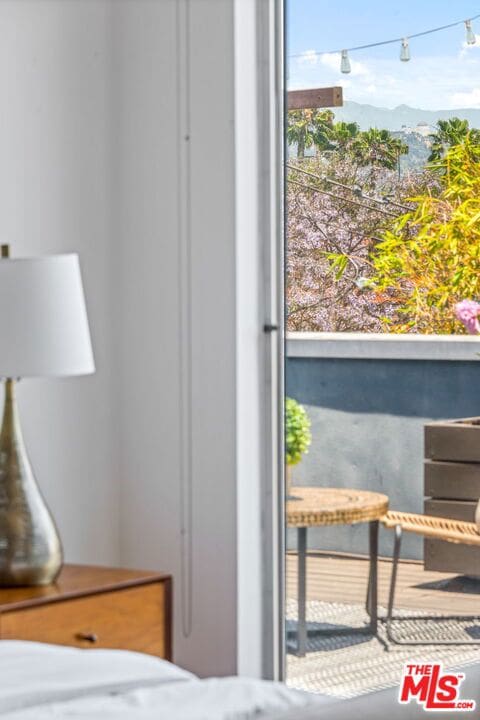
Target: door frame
[
  {"x": 272, "y": 221},
  {"x": 259, "y": 122}
]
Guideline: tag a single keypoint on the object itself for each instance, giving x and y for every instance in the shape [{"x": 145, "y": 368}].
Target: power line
[
  {"x": 343, "y": 199},
  {"x": 353, "y": 189},
  {"x": 387, "y": 42}
]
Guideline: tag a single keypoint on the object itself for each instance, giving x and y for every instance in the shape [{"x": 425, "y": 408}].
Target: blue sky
[{"x": 443, "y": 71}]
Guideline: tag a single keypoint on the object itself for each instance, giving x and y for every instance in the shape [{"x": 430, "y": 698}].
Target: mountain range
[{"x": 394, "y": 119}]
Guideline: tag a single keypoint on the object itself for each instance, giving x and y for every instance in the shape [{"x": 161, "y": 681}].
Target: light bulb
[
  {"x": 405, "y": 51},
  {"x": 471, "y": 39},
  {"x": 345, "y": 63}
]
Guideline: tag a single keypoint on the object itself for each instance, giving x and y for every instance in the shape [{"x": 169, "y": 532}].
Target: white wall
[
  {"x": 54, "y": 197},
  {"x": 175, "y": 225},
  {"x": 249, "y": 329},
  {"x": 192, "y": 301},
  {"x": 117, "y": 140}
]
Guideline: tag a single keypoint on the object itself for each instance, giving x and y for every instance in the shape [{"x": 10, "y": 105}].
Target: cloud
[
  {"x": 466, "y": 99},
  {"x": 466, "y": 48},
  {"x": 431, "y": 82},
  {"x": 389, "y": 80},
  {"x": 309, "y": 57}
]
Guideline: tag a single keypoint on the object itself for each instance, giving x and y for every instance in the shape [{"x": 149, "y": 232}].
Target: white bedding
[
  {"x": 41, "y": 682},
  {"x": 46, "y": 682},
  {"x": 33, "y": 673}
]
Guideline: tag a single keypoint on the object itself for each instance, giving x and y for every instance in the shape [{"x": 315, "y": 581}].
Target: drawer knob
[{"x": 87, "y": 637}]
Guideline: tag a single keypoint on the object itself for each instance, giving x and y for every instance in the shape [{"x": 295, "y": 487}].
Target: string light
[
  {"x": 471, "y": 39},
  {"x": 345, "y": 66},
  {"x": 405, "y": 51}
]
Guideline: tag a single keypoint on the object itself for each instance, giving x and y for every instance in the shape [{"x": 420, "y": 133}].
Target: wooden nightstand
[{"x": 93, "y": 607}]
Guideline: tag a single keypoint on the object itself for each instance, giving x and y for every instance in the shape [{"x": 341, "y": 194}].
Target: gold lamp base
[{"x": 30, "y": 547}]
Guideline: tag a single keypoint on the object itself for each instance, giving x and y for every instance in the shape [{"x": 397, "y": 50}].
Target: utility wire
[
  {"x": 351, "y": 188},
  {"x": 343, "y": 199},
  {"x": 386, "y": 42}
]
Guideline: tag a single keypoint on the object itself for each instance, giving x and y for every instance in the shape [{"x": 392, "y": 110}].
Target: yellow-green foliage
[
  {"x": 297, "y": 431},
  {"x": 430, "y": 258}
]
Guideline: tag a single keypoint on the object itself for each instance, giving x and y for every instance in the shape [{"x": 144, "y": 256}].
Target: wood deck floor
[{"x": 343, "y": 578}]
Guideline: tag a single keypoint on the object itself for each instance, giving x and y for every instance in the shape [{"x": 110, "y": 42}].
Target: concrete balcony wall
[{"x": 367, "y": 421}]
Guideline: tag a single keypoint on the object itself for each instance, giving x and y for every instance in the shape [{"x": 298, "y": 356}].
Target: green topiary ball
[{"x": 297, "y": 431}]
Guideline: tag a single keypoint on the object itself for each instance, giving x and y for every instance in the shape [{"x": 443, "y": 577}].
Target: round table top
[{"x": 311, "y": 506}]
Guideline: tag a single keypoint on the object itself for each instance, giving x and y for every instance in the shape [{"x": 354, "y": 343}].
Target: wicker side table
[{"x": 313, "y": 507}]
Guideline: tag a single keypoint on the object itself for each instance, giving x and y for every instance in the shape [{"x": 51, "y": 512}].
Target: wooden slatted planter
[{"x": 452, "y": 489}]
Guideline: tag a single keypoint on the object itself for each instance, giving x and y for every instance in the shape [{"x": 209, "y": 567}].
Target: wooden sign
[{"x": 315, "y": 98}]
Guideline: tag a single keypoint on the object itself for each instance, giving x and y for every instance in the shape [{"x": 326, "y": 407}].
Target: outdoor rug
[{"x": 348, "y": 665}]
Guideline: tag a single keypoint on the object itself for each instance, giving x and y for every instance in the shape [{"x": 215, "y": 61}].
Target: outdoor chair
[{"x": 438, "y": 528}]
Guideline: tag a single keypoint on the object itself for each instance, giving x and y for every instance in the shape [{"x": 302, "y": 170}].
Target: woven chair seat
[{"x": 455, "y": 531}]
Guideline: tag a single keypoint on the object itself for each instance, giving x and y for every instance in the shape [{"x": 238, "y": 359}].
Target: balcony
[{"x": 368, "y": 402}]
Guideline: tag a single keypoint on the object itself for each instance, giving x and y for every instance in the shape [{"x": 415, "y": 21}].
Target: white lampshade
[{"x": 43, "y": 319}]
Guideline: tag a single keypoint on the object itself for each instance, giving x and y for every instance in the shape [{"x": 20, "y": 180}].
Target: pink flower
[{"x": 467, "y": 312}]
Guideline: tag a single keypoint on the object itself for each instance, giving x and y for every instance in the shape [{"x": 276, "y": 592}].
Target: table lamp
[{"x": 43, "y": 333}]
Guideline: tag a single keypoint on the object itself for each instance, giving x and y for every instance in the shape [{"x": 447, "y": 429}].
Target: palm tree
[
  {"x": 378, "y": 148},
  {"x": 306, "y": 128},
  {"x": 449, "y": 132},
  {"x": 323, "y": 124},
  {"x": 342, "y": 134}
]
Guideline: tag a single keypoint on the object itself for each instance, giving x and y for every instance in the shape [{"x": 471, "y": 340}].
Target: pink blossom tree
[{"x": 335, "y": 216}]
